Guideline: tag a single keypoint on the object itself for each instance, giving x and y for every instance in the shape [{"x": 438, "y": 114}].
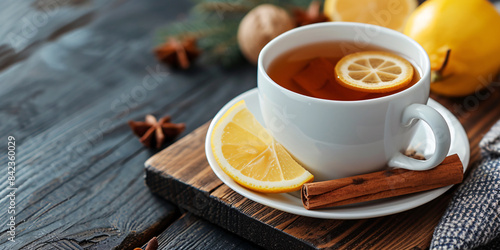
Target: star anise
[
  {"x": 153, "y": 133},
  {"x": 311, "y": 15},
  {"x": 178, "y": 53},
  {"x": 152, "y": 245}
]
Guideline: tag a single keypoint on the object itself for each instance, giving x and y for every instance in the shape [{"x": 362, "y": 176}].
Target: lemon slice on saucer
[
  {"x": 373, "y": 71},
  {"x": 248, "y": 154}
]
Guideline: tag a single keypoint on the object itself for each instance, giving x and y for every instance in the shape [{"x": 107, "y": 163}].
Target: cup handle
[{"x": 441, "y": 136}]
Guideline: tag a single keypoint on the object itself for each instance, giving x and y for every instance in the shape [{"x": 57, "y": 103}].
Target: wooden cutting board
[{"x": 181, "y": 174}]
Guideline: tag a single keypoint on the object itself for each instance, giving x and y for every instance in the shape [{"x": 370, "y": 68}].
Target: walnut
[{"x": 261, "y": 25}]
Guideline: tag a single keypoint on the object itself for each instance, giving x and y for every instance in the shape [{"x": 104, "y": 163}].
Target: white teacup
[{"x": 335, "y": 139}]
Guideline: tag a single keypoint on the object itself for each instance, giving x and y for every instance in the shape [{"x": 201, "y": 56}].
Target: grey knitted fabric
[{"x": 472, "y": 217}]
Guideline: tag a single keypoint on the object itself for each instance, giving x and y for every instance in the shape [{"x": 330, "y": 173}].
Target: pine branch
[
  {"x": 222, "y": 44},
  {"x": 227, "y": 53},
  {"x": 197, "y": 28}
]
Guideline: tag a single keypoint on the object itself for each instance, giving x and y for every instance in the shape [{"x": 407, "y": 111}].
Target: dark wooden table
[{"x": 72, "y": 73}]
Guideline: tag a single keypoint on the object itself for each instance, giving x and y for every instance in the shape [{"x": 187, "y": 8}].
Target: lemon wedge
[{"x": 248, "y": 154}]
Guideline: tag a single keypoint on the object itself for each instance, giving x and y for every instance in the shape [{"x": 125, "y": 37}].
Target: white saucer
[{"x": 291, "y": 203}]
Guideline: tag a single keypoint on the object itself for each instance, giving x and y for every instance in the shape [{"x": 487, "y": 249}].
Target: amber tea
[{"x": 309, "y": 70}]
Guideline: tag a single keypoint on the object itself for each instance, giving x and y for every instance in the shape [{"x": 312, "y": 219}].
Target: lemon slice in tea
[{"x": 374, "y": 71}]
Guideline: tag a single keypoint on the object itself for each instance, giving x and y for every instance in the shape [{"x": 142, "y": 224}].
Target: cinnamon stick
[{"x": 382, "y": 184}]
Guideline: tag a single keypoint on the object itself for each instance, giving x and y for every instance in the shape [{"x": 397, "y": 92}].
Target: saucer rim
[{"x": 288, "y": 200}]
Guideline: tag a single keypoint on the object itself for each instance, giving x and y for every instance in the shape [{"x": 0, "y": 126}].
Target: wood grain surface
[
  {"x": 191, "y": 232},
  {"x": 72, "y": 73},
  {"x": 182, "y": 175}
]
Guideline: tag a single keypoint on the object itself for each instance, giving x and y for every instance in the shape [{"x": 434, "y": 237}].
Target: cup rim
[{"x": 425, "y": 71}]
